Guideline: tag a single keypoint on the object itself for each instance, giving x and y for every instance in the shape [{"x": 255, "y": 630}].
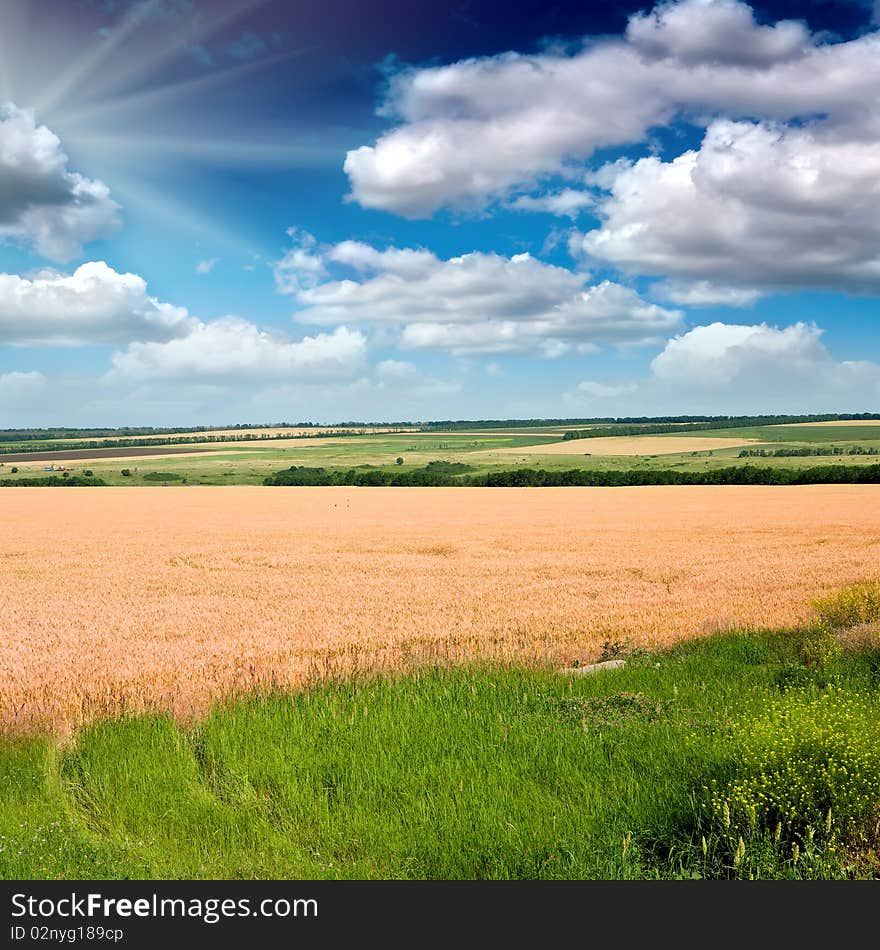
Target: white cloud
[
  {"x": 18, "y": 388},
  {"x": 42, "y": 203},
  {"x": 715, "y": 31},
  {"x": 603, "y": 390},
  {"x": 93, "y": 305},
  {"x": 782, "y": 369},
  {"x": 702, "y": 293},
  {"x": 28, "y": 398},
  {"x": 232, "y": 351},
  {"x": 301, "y": 267},
  {"x": 472, "y": 304},
  {"x": 731, "y": 368},
  {"x": 397, "y": 373},
  {"x": 566, "y": 203},
  {"x": 411, "y": 382},
  {"x": 759, "y": 205},
  {"x": 472, "y": 131},
  {"x": 721, "y": 355},
  {"x": 205, "y": 267}
]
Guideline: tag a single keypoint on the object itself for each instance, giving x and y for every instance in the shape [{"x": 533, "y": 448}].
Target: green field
[
  {"x": 250, "y": 462},
  {"x": 742, "y": 755}
]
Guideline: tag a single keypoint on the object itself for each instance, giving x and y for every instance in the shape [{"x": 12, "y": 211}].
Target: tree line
[
  {"x": 809, "y": 451},
  {"x": 702, "y": 423},
  {"x": 717, "y": 422},
  {"x": 540, "y": 478}
]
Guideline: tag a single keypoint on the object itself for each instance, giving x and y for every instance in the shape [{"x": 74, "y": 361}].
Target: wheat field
[
  {"x": 119, "y": 599},
  {"x": 629, "y": 445}
]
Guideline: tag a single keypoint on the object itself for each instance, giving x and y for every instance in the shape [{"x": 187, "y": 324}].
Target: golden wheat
[
  {"x": 132, "y": 598},
  {"x": 628, "y": 445}
]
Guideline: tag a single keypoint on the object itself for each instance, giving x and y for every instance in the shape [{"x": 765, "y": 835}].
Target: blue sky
[{"x": 245, "y": 211}]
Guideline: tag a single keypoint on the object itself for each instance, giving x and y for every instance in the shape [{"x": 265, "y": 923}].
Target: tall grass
[{"x": 471, "y": 772}]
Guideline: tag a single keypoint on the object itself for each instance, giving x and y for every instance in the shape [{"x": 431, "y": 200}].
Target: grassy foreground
[{"x": 741, "y": 755}]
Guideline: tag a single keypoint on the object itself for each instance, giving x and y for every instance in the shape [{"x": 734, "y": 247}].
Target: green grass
[
  {"x": 481, "y": 772},
  {"x": 843, "y": 433}
]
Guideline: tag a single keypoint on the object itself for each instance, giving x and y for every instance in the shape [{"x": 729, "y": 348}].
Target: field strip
[
  {"x": 129, "y": 598},
  {"x": 629, "y": 445},
  {"x": 133, "y": 454},
  {"x": 270, "y": 431},
  {"x": 834, "y": 422},
  {"x": 117, "y": 455}
]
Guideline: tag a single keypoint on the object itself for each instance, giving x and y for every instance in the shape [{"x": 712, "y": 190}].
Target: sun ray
[
  {"x": 151, "y": 202},
  {"x": 171, "y": 92},
  {"x": 124, "y": 119},
  {"x": 16, "y": 16},
  {"x": 150, "y": 55},
  {"x": 68, "y": 82},
  {"x": 151, "y": 61},
  {"x": 250, "y": 152}
]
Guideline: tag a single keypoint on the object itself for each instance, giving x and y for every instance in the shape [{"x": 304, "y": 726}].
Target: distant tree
[
  {"x": 14, "y": 469},
  {"x": 88, "y": 473},
  {"x": 399, "y": 460},
  {"x": 126, "y": 472}
]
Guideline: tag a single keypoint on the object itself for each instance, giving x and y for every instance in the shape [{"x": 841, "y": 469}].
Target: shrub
[
  {"x": 14, "y": 469},
  {"x": 854, "y": 605},
  {"x": 794, "y": 676},
  {"x": 126, "y": 472},
  {"x": 398, "y": 460},
  {"x": 807, "y": 778},
  {"x": 88, "y": 473},
  {"x": 819, "y": 646}
]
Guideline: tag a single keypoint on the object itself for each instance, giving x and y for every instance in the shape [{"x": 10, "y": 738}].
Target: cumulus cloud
[
  {"x": 42, "y": 203},
  {"x": 93, "y": 305},
  {"x": 470, "y": 132},
  {"x": 721, "y": 354},
  {"x": 205, "y": 267},
  {"x": 566, "y": 203},
  {"x": 715, "y": 31},
  {"x": 783, "y": 368},
  {"x": 232, "y": 351},
  {"x": 476, "y": 303},
  {"x": 758, "y": 205},
  {"x": 733, "y": 368}
]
